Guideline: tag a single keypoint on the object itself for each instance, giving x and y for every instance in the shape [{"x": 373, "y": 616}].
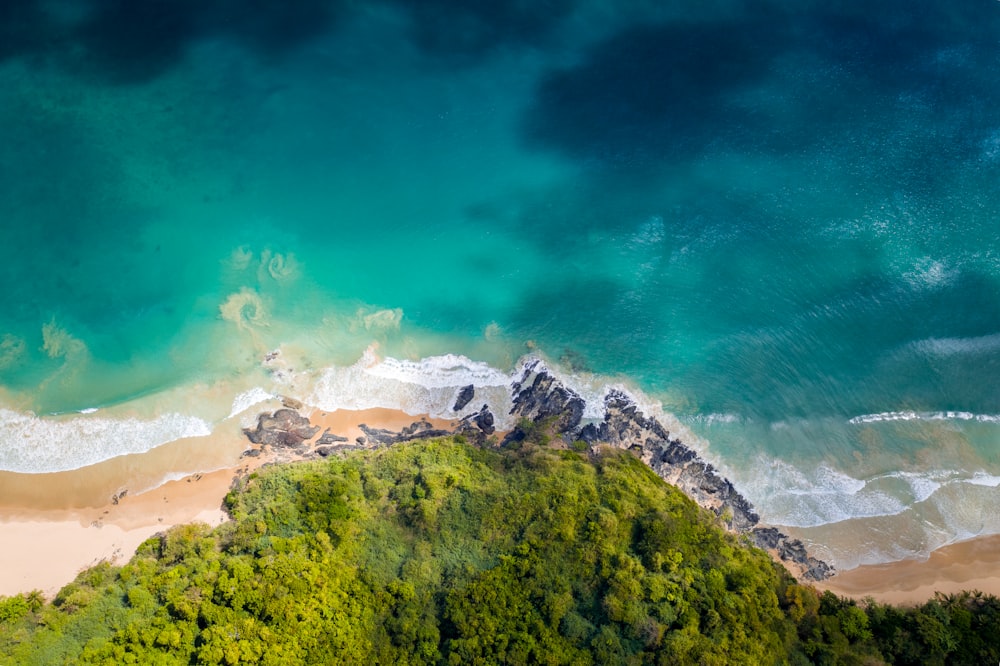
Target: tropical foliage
[{"x": 442, "y": 553}]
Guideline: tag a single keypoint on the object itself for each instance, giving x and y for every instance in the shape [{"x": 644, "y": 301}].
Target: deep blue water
[{"x": 780, "y": 220}]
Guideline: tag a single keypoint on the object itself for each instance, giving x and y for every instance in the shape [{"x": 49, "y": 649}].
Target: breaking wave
[
  {"x": 31, "y": 444},
  {"x": 924, "y": 416},
  {"x": 792, "y": 497},
  {"x": 431, "y": 386}
]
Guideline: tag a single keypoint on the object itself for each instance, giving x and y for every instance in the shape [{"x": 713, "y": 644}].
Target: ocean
[{"x": 776, "y": 223}]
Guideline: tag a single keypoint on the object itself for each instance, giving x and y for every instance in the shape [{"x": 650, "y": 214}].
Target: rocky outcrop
[
  {"x": 417, "y": 430},
  {"x": 545, "y": 400},
  {"x": 625, "y": 427},
  {"x": 791, "y": 550},
  {"x": 465, "y": 396},
  {"x": 285, "y": 428},
  {"x": 289, "y": 435},
  {"x": 482, "y": 421},
  {"x": 328, "y": 438}
]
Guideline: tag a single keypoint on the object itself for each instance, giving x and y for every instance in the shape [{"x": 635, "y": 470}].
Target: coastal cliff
[
  {"x": 625, "y": 427},
  {"x": 541, "y": 401}
]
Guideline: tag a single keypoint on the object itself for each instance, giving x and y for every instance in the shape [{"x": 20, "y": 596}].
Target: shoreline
[
  {"x": 969, "y": 565},
  {"x": 46, "y": 549},
  {"x": 55, "y": 525}
]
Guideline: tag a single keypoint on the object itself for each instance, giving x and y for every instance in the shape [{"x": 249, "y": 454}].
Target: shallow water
[{"x": 778, "y": 222}]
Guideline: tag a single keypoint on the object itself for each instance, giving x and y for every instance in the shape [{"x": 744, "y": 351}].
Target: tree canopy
[{"x": 442, "y": 553}]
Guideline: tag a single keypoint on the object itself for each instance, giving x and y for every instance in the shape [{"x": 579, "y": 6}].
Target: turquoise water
[{"x": 779, "y": 222}]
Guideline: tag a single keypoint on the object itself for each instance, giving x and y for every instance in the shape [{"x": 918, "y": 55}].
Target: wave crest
[
  {"x": 31, "y": 444},
  {"x": 882, "y": 417}
]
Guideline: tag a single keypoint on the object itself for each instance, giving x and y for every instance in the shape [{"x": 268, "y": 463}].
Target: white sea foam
[
  {"x": 982, "y": 344},
  {"x": 813, "y": 498},
  {"x": 723, "y": 418},
  {"x": 921, "y": 485},
  {"x": 445, "y": 371},
  {"x": 924, "y": 416},
  {"x": 32, "y": 444},
  {"x": 787, "y": 495},
  {"x": 931, "y": 274},
  {"x": 984, "y": 479},
  {"x": 429, "y": 386},
  {"x": 248, "y": 399}
]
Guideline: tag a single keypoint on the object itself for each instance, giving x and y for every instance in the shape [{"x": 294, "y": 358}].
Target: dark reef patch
[
  {"x": 133, "y": 42},
  {"x": 671, "y": 91},
  {"x": 652, "y": 92},
  {"x": 466, "y": 31}
]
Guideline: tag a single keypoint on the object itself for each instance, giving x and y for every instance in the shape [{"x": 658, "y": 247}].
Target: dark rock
[
  {"x": 251, "y": 453},
  {"x": 481, "y": 422},
  {"x": 284, "y": 428},
  {"x": 767, "y": 538},
  {"x": 625, "y": 427},
  {"x": 793, "y": 551},
  {"x": 360, "y": 441},
  {"x": 327, "y": 451},
  {"x": 676, "y": 453},
  {"x": 465, "y": 396},
  {"x": 515, "y": 436},
  {"x": 476, "y": 427},
  {"x": 590, "y": 433},
  {"x": 377, "y": 435},
  {"x": 623, "y": 422},
  {"x": 484, "y": 420},
  {"x": 329, "y": 438},
  {"x": 547, "y": 400},
  {"x": 417, "y": 430}
]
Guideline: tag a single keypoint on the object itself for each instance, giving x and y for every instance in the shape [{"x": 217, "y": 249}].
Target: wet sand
[
  {"x": 968, "y": 565},
  {"x": 346, "y": 423},
  {"x": 49, "y": 549}
]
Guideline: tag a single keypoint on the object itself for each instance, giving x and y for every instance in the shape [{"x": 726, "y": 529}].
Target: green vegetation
[{"x": 441, "y": 553}]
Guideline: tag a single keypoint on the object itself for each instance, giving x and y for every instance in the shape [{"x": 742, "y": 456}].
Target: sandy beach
[
  {"x": 48, "y": 550},
  {"x": 54, "y": 525},
  {"x": 968, "y": 565}
]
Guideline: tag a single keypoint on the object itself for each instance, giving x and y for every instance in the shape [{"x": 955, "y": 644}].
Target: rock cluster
[
  {"x": 285, "y": 428},
  {"x": 418, "y": 430}
]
